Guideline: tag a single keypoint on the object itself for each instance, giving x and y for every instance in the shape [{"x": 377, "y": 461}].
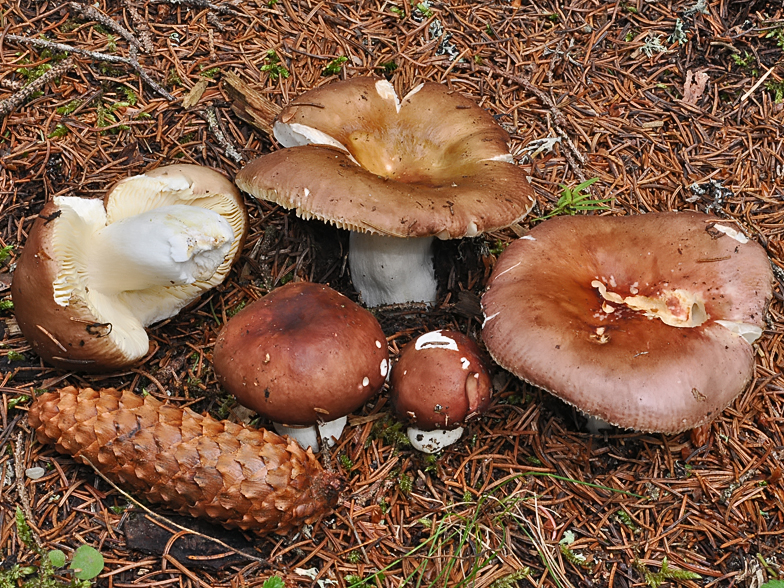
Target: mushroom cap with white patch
[
  {"x": 82, "y": 298},
  {"x": 302, "y": 354},
  {"x": 646, "y": 322},
  {"x": 440, "y": 381},
  {"x": 431, "y": 164}
]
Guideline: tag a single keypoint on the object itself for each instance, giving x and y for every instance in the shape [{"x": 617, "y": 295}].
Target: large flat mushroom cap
[
  {"x": 431, "y": 164},
  {"x": 578, "y": 307}
]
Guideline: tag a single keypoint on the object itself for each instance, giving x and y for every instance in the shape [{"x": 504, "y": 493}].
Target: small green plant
[
  {"x": 86, "y": 564},
  {"x": 405, "y": 483},
  {"x": 345, "y": 462},
  {"x": 5, "y": 252},
  {"x": 390, "y": 431},
  {"x": 744, "y": 62},
  {"x": 209, "y": 73},
  {"x": 572, "y": 557},
  {"x": 422, "y": 8},
  {"x": 14, "y": 402},
  {"x": 6, "y": 305},
  {"x": 15, "y": 356},
  {"x": 67, "y": 109},
  {"x": 274, "y": 68},
  {"x": 629, "y": 36},
  {"x": 656, "y": 579},
  {"x": 272, "y": 3},
  {"x": 777, "y": 89},
  {"x": 554, "y": 17},
  {"x": 274, "y": 582},
  {"x": 111, "y": 43},
  {"x": 631, "y": 9},
  {"x": 511, "y": 580},
  {"x": 387, "y": 67},
  {"x": 778, "y": 36},
  {"x": 334, "y": 66},
  {"x": 397, "y": 11},
  {"x": 59, "y": 132},
  {"x": 624, "y": 517},
  {"x": 173, "y": 78},
  {"x": 574, "y": 200},
  {"x": 130, "y": 95}
]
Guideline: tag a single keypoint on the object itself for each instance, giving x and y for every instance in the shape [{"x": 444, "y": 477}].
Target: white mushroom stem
[
  {"x": 433, "y": 441},
  {"x": 167, "y": 246},
  {"x": 392, "y": 270},
  {"x": 309, "y": 436}
]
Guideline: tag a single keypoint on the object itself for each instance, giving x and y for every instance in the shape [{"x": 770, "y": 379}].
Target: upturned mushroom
[
  {"x": 438, "y": 384},
  {"x": 396, "y": 173},
  {"x": 646, "y": 322},
  {"x": 304, "y": 355},
  {"x": 94, "y": 273}
]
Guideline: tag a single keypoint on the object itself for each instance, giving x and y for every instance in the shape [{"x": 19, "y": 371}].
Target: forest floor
[{"x": 671, "y": 104}]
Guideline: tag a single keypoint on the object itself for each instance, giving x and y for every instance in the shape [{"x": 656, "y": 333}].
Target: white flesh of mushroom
[
  {"x": 309, "y": 436},
  {"x": 391, "y": 270},
  {"x": 145, "y": 254},
  {"x": 433, "y": 441},
  {"x": 166, "y": 246}
]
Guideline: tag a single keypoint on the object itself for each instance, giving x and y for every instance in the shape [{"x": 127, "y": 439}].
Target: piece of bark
[
  {"x": 249, "y": 105},
  {"x": 149, "y": 535},
  {"x": 193, "y": 464}
]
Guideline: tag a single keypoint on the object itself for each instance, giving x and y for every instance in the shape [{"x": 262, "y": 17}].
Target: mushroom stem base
[
  {"x": 433, "y": 441},
  {"x": 392, "y": 270},
  {"x": 309, "y": 436}
]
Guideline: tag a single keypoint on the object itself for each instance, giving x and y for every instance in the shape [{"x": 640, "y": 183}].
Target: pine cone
[{"x": 228, "y": 473}]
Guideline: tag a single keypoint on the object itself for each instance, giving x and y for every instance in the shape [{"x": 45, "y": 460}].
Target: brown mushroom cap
[
  {"x": 578, "y": 307},
  {"x": 440, "y": 381},
  {"x": 302, "y": 353},
  {"x": 433, "y": 164},
  {"x": 73, "y": 326}
]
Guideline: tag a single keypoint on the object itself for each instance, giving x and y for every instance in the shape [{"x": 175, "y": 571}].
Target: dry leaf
[
  {"x": 195, "y": 94},
  {"x": 694, "y": 86}
]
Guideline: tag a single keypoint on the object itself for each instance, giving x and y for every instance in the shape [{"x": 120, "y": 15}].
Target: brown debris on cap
[
  {"x": 301, "y": 354},
  {"x": 587, "y": 308},
  {"x": 431, "y": 164}
]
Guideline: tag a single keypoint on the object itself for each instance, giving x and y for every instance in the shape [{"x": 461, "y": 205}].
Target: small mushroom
[
  {"x": 439, "y": 383},
  {"x": 396, "y": 173},
  {"x": 646, "y": 322},
  {"x": 302, "y": 355},
  {"x": 94, "y": 273}
]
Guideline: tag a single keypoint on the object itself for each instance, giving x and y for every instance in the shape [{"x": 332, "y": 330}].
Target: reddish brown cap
[
  {"x": 71, "y": 323},
  {"x": 302, "y": 353},
  {"x": 586, "y": 307},
  {"x": 440, "y": 381},
  {"x": 431, "y": 164}
]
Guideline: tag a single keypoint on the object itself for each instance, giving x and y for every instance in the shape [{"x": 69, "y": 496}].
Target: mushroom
[
  {"x": 302, "y": 355},
  {"x": 396, "y": 173},
  {"x": 94, "y": 273},
  {"x": 439, "y": 383},
  {"x": 646, "y": 322}
]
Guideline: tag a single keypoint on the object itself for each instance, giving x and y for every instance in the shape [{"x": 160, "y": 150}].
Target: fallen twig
[
  {"x": 130, "y": 60},
  {"x": 209, "y": 115},
  {"x": 19, "y": 98},
  {"x": 93, "y": 13},
  {"x": 141, "y": 27}
]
